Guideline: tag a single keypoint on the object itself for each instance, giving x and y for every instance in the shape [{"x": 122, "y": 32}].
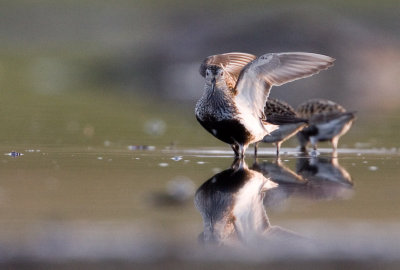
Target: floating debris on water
[
  {"x": 32, "y": 150},
  {"x": 176, "y": 158},
  {"x": 186, "y": 161},
  {"x": 141, "y": 147},
  {"x": 200, "y": 162},
  {"x": 107, "y": 143},
  {"x": 14, "y": 154},
  {"x": 373, "y": 168},
  {"x": 365, "y": 162},
  {"x": 99, "y": 158},
  {"x": 163, "y": 164}
]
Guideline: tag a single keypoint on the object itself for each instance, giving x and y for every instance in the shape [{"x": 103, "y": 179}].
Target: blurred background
[
  {"x": 84, "y": 84},
  {"x": 126, "y": 72}
]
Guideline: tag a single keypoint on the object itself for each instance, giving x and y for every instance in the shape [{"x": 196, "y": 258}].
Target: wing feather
[
  {"x": 256, "y": 78},
  {"x": 232, "y": 63}
]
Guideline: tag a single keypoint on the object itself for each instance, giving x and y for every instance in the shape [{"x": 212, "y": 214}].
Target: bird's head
[{"x": 214, "y": 74}]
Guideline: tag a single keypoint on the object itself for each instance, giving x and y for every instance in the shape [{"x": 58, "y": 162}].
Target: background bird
[
  {"x": 280, "y": 113},
  {"x": 237, "y": 88},
  {"x": 328, "y": 121}
]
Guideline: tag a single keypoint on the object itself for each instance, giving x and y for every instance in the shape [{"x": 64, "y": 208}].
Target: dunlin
[
  {"x": 237, "y": 88},
  {"x": 328, "y": 121},
  {"x": 280, "y": 113}
]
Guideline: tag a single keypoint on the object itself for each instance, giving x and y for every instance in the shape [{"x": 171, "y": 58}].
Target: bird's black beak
[{"x": 213, "y": 81}]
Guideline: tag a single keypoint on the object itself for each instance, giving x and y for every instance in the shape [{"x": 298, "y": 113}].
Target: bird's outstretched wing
[
  {"x": 232, "y": 63},
  {"x": 257, "y": 78}
]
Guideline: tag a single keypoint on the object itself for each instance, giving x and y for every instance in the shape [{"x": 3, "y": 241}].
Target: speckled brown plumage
[
  {"x": 328, "y": 121},
  {"x": 274, "y": 106},
  {"x": 318, "y": 106},
  {"x": 280, "y": 113}
]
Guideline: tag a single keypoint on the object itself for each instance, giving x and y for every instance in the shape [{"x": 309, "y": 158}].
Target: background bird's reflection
[
  {"x": 315, "y": 178},
  {"x": 231, "y": 205}
]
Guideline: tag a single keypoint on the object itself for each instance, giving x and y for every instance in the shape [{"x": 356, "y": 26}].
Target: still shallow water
[{"x": 138, "y": 205}]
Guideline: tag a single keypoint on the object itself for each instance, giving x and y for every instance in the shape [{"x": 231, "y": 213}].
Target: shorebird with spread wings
[{"x": 237, "y": 88}]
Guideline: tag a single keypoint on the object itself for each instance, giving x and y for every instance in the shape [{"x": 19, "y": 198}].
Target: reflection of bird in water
[
  {"x": 237, "y": 88},
  {"x": 231, "y": 205},
  {"x": 315, "y": 179},
  {"x": 328, "y": 121},
  {"x": 278, "y": 172},
  {"x": 326, "y": 179},
  {"x": 323, "y": 170},
  {"x": 280, "y": 113},
  {"x": 288, "y": 181}
]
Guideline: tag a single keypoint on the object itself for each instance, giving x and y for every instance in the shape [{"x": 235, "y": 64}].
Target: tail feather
[
  {"x": 321, "y": 118},
  {"x": 285, "y": 119}
]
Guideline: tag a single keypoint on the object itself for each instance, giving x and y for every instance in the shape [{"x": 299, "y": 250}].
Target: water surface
[{"x": 138, "y": 205}]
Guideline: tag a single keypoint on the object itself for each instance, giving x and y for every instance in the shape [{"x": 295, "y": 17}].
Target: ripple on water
[
  {"x": 373, "y": 168},
  {"x": 176, "y": 158},
  {"x": 163, "y": 164}
]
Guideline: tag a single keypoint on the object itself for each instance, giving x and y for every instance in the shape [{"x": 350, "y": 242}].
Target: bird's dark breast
[
  {"x": 313, "y": 131},
  {"x": 228, "y": 131},
  {"x": 309, "y": 131}
]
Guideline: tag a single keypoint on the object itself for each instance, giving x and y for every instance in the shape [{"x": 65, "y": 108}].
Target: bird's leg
[
  {"x": 235, "y": 149},
  {"x": 241, "y": 152},
  {"x": 303, "y": 149},
  {"x": 242, "y": 149},
  {"x": 303, "y": 142},
  {"x": 278, "y": 161},
  {"x": 237, "y": 164},
  {"x": 335, "y": 141},
  {"x": 255, "y": 148},
  {"x": 313, "y": 142},
  {"x": 238, "y": 148},
  {"x": 314, "y": 146},
  {"x": 278, "y": 148}
]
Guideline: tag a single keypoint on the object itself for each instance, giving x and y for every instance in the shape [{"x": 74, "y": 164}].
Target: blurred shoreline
[{"x": 153, "y": 48}]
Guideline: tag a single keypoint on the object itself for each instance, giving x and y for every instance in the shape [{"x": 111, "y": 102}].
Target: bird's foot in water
[{"x": 315, "y": 153}]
